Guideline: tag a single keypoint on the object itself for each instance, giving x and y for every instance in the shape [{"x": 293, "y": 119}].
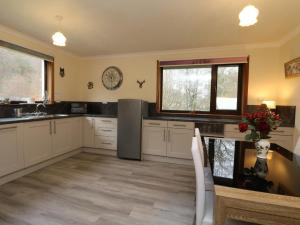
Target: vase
[{"x": 262, "y": 148}]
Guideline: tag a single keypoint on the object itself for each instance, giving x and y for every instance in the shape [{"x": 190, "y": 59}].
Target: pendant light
[
  {"x": 58, "y": 38},
  {"x": 248, "y": 16}
]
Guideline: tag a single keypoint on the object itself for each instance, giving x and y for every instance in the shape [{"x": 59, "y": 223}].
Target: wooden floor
[{"x": 101, "y": 190}]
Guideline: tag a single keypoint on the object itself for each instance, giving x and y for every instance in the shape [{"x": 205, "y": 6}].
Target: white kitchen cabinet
[
  {"x": 37, "y": 142},
  {"x": 76, "y": 132},
  {"x": 180, "y": 143},
  {"x": 282, "y": 136},
  {"x": 61, "y": 136},
  {"x": 11, "y": 148},
  {"x": 168, "y": 138},
  {"x": 154, "y": 141},
  {"x": 88, "y": 132},
  {"x": 105, "y": 133}
]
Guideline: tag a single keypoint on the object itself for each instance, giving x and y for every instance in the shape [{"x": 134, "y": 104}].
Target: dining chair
[
  {"x": 297, "y": 151},
  {"x": 204, "y": 199},
  {"x": 208, "y": 177}
]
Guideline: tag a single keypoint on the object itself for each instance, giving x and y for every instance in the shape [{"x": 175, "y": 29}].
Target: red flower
[
  {"x": 263, "y": 127},
  {"x": 243, "y": 127}
]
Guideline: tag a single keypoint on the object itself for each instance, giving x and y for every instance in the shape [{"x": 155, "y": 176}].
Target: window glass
[
  {"x": 227, "y": 87},
  {"x": 21, "y": 76},
  {"x": 186, "y": 89}
]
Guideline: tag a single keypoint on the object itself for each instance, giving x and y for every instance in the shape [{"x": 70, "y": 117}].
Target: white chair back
[
  {"x": 200, "y": 145},
  {"x": 297, "y": 147},
  {"x": 200, "y": 185},
  {"x": 297, "y": 151}
]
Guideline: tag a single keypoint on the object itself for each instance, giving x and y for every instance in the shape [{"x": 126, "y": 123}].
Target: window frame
[
  {"x": 48, "y": 67},
  {"x": 242, "y": 90}
]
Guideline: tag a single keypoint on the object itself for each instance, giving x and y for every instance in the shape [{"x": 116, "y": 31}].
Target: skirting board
[
  {"x": 100, "y": 151},
  {"x": 167, "y": 159},
  {"x": 28, "y": 170}
]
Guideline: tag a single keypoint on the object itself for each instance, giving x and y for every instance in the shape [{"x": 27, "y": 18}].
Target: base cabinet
[
  {"x": 61, "y": 136},
  {"x": 76, "y": 133},
  {"x": 168, "y": 138},
  {"x": 88, "y": 132},
  {"x": 154, "y": 141},
  {"x": 180, "y": 143},
  {"x": 11, "y": 149},
  {"x": 100, "y": 133},
  {"x": 37, "y": 142}
]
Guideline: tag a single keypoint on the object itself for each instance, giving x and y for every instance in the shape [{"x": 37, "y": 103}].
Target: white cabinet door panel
[
  {"x": 76, "y": 133},
  {"x": 37, "y": 142},
  {"x": 180, "y": 143},
  {"x": 62, "y": 141},
  {"x": 11, "y": 152},
  {"x": 154, "y": 141},
  {"x": 88, "y": 132}
]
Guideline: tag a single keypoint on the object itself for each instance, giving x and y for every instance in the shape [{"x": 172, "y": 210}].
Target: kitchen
[{"x": 102, "y": 105}]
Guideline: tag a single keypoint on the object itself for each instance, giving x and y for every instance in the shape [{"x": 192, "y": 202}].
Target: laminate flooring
[{"x": 89, "y": 189}]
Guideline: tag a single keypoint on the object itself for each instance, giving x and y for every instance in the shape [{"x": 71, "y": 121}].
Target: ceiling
[{"x": 101, "y": 27}]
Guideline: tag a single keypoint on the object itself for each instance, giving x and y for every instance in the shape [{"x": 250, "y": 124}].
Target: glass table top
[{"x": 234, "y": 164}]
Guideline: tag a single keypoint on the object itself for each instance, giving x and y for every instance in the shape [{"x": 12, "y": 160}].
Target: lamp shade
[
  {"x": 59, "y": 39},
  {"x": 248, "y": 16},
  {"x": 270, "y": 104}
]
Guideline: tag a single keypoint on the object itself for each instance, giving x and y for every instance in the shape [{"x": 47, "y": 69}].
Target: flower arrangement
[{"x": 260, "y": 124}]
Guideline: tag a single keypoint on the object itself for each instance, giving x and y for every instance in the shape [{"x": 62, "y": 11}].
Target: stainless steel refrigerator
[{"x": 130, "y": 118}]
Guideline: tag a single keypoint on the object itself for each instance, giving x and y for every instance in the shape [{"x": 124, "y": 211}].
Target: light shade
[
  {"x": 59, "y": 39},
  {"x": 248, "y": 16},
  {"x": 270, "y": 104}
]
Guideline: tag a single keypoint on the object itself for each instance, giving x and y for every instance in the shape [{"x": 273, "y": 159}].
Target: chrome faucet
[{"x": 45, "y": 101}]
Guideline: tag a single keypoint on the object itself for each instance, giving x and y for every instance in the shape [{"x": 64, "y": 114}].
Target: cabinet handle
[
  {"x": 179, "y": 125},
  {"x": 54, "y": 127},
  {"x": 169, "y": 136},
  {"x": 106, "y": 130},
  {"x": 106, "y": 143},
  {"x": 93, "y": 122},
  {"x": 8, "y": 128},
  {"x": 50, "y": 127},
  {"x": 154, "y": 124},
  {"x": 107, "y": 121},
  {"x": 164, "y": 135}
]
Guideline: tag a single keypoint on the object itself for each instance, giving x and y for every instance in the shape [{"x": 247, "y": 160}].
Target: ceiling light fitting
[
  {"x": 59, "y": 38},
  {"x": 248, "y": 16}
]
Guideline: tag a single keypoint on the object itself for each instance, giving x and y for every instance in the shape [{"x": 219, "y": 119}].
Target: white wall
[{"x": 265, "y": 75}]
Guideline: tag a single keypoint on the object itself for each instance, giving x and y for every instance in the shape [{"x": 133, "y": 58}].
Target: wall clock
[{"x": 112, "y": 78}]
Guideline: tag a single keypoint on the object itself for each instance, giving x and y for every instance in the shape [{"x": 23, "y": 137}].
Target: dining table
[{"x": 257, "y": 190}]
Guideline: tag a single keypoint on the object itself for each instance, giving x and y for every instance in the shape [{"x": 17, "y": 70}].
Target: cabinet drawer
[
  {"x": 286, "y": 131},
  {"x": 231, "y": 128},
  {"x": 106, "y": 142},
  {"x": 185, "y": 125},
  {"x": 106, "y": 122},
  {"x": 105, "y": 131},
  {"x": 155, "y": 123}
]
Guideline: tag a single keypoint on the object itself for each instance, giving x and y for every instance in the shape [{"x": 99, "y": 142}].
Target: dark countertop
[
  {"x": 12, "y": 120},
  {"x": 194, "y": 119}
]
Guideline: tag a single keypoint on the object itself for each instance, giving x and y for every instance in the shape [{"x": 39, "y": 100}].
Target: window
[
  {"x": 203, "y": 89},
  {"x": 23, "y": 75}
]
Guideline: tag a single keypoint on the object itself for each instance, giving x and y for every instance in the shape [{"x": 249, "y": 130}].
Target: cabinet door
[
  {"x": 88, "y": 132},
  {"x": 180, "y": 143},
  {"x": 37, "y": 142},
  {"x": 61, "y": 136},
  {"x": 76, "y": 132},
  {"x": 154, "y": 141},
  {"x": 11, "y": 152}
]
